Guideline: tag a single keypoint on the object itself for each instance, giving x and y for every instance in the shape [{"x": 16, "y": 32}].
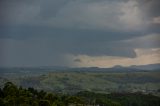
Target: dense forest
[{"x": 12, "y": 95}]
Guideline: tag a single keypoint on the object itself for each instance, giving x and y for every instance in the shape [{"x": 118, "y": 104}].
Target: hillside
[{"x": 70, "y": 81}]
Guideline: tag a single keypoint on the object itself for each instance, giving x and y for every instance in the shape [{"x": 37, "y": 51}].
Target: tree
[
  {"x": 1, "y": 93},
  {"x": 75, "y": 100},
  {"x": 41, "y": 94},
  {"x": 44, "y": 103},
  {"x": 1, "y": 102},
  {"x": 10, "y": 89}
]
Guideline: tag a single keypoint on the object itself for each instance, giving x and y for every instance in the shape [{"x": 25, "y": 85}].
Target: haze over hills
[
  {"x": 147, "y": 67},
  {"x": 118, "y": 68},
  {"x": 72, "y": 80}
]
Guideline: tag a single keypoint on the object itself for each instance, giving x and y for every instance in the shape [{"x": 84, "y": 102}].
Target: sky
[{"x": 79, "y": 33}]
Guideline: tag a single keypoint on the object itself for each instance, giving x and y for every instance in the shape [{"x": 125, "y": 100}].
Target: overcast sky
[{"x": 79, "y": 33}]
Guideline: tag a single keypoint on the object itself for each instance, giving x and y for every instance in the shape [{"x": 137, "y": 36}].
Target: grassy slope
[
  {"x": 95, "y": 81},
  {"x": 103, "y": 82}
]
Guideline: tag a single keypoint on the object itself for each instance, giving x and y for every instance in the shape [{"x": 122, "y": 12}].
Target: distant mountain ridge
[
  {"x": 118, "y": 68},
  {"x": 147, "y": 67}
]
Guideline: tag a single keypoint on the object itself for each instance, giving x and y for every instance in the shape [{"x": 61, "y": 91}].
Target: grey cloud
[
  {"x": 85, "y": 14},
  {"x": 50, "y": 8},
  {"x": 68, "y": 41},
  {"x": 76, "y": 45},
  {"x": 51, "y": 50},
  {"x": 18, "y": 12},
  {"x": 148, "y": 41},
  {"x": 30, "y": 53},
  {"x": 77, "y": 60},
  {"x": 35, "y": 32},
  {"x": 151, "y": 7}
]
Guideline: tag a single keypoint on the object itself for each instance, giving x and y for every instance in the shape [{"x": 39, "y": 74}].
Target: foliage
[{"x": 11, "y": 95}]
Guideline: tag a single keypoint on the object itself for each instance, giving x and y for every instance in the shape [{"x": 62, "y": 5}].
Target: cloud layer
[
  {"x": 83, "y": 14},
  {"x": 144, "y": 56},
  {"x": 36, "y": 33}
]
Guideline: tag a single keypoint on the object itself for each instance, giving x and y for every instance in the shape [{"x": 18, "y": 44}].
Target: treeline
[
  {"x": 121, "y": 99},
  {"x": 11, "y": 95}
]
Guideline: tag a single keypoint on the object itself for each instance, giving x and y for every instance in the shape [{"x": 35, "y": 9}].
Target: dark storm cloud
[
  {"x": 41, "y": 32},
  {"x": 102, "y": 14},
  {"x": 151, "y": 7},
  {"x": 77, "y": 60},
  {"x": 76, "y": 42},
  {"x": 49, "y": 8}
]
